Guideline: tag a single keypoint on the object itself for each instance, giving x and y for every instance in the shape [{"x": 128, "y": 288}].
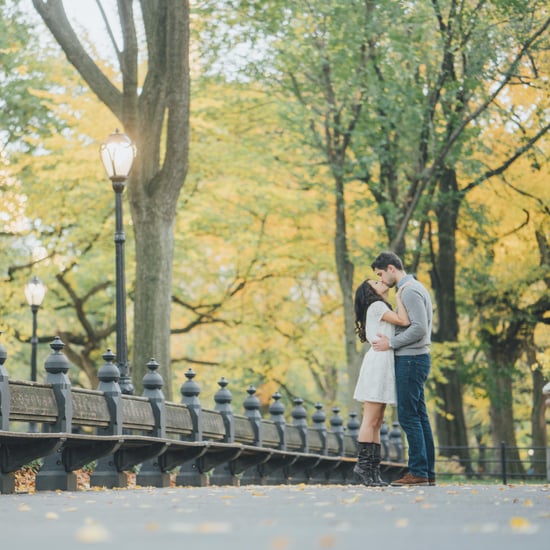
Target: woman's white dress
[{"x": 376, "y": 380}]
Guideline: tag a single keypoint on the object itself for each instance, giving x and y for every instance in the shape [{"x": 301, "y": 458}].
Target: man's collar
[{"x": 404, "y": 280}]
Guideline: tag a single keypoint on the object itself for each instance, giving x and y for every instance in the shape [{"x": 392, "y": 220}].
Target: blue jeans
[{"x": 411, "y": 372}]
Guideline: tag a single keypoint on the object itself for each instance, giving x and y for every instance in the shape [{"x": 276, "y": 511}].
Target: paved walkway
[{"x": 465, "y": 517}]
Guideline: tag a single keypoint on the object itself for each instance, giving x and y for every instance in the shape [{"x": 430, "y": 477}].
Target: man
[{"x": 411, "y": 347}]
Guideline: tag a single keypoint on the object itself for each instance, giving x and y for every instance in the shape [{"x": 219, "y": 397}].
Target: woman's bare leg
[{"x": 373, "y": 417}]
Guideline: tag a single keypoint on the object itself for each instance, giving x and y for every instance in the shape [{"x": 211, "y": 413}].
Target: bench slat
[{"x": 32, "y": 402}]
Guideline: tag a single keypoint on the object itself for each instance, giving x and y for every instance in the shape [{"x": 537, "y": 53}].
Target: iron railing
[{"x": 509, "y": 464}]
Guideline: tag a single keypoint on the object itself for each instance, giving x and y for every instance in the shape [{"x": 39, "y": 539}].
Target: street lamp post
[
  {"x": 117, "y": 154},
  {"x": 34, "y": 292}
]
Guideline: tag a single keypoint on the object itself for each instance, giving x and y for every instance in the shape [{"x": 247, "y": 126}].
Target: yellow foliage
[{"x": 261, "y": 244}]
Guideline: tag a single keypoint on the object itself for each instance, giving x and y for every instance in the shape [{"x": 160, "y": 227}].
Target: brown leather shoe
[
  {"x": 410, "y": 479},
  {"x": 431, "y": 481}
]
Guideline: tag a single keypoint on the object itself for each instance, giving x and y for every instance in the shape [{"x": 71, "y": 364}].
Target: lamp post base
[{"x": 126, "y": 386}]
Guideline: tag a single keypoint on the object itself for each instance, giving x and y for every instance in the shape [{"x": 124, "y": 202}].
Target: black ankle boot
[
  {"x": 363, "y": 468},
  {"x": 377, "y": 481}
]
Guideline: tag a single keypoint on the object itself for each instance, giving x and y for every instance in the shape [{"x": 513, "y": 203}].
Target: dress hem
[{"x": 375, "y": 401}]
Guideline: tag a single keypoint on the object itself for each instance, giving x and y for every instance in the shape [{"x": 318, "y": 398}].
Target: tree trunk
[
  {"x": 153, "y": 293},
  {"x": 538, "y": 421},
  {"x": 501, "y": 359},
  {"x": 450, "y": 423},
  {"x": 345, "y": 271},
  {"x": 156, "y": 117}
]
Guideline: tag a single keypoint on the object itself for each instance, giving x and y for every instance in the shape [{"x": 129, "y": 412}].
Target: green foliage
[
  {"x": 23, "y": 69},
  {"x": 59, "y": 226}
]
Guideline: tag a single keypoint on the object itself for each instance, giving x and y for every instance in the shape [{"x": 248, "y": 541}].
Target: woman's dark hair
[{"x": 365, "y": 296}]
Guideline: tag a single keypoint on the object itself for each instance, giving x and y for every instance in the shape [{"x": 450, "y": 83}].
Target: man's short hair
[{"x": 384, "y": 259}]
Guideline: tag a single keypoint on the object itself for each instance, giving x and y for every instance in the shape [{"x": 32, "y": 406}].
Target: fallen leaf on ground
[
  {"x": 92, "y": 532},
  {"x": 401, "y": 523},
  {"x": 522, "y": 525},
  {"x": 204, "y": 528},
  {"x": 328, "y": 541},
  {"x": 280, "y": 543}
]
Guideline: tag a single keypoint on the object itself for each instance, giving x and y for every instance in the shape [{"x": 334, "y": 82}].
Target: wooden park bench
[{"x": 112, "y": 433}]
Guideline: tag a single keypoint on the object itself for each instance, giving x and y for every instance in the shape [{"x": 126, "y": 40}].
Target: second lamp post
[
  {"x": 118, "y": 154},
  {"x": 34, "y": 292}
]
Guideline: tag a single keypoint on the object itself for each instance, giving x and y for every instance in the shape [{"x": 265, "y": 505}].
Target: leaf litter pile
[{"x": 26, "y": 476}]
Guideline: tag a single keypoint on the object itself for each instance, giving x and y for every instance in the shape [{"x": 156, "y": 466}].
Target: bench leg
[
  {"x": 106, "y": 475},
  {"x": 150, "y": 475},
  {"x": 189, "y": 475},
  {"x": 52, "y": 475},
  {"x": 222, "y": 475},
  {"x": 7, "y": 483}
]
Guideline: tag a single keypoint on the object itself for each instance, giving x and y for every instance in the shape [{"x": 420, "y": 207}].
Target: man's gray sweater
[{"x": 416, "y": 338}]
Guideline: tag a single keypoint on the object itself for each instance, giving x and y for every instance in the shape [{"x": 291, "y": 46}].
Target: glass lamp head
[
  {"x": 35, "y": 291},
  {"x": 118, "y": 154}
]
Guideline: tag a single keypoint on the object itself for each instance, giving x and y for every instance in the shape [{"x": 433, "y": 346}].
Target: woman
[{"x": 376, "y": 384}]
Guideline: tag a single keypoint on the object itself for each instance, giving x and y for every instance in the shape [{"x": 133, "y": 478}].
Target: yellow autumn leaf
[
  {"x": 401, "y": 523},
  {"x": 92, "y": 532},
  {"x": 522, "y": 525}
]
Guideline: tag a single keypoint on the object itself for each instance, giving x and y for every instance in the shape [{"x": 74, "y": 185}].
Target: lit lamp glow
[
  {"x": 35, "y": 292},
  {"x": 118, "y": 154}
]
